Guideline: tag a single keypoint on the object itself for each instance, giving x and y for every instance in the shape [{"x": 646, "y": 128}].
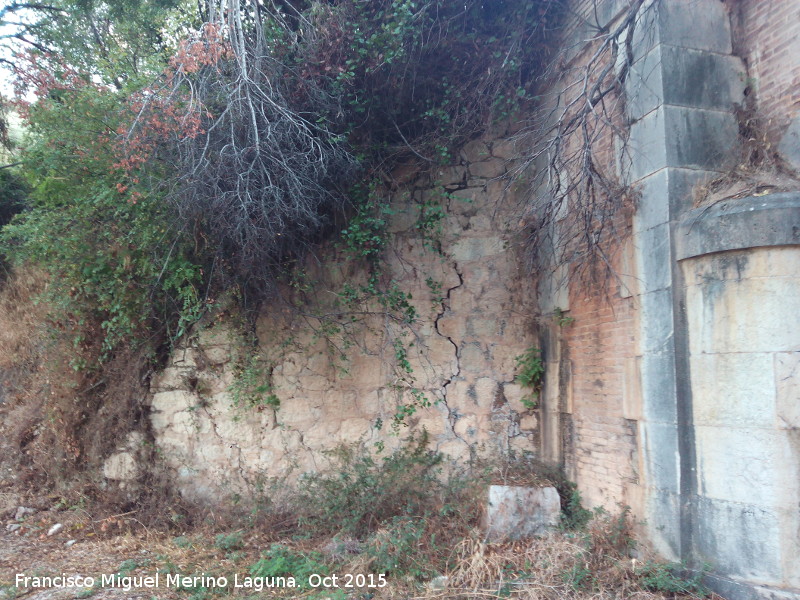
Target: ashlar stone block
[
  {"x": 475, "y": 151},
  {"x": 684, "y": 77},
  {"x": 488, "y": 169}
]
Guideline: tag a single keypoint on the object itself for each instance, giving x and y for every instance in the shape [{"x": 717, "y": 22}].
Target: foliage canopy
[{"x": 176, "y": 151}]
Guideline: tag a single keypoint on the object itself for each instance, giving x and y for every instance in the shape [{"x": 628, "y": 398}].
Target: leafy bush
[
  {"x": 671, "y": 578},
  {"x": 398, "y": 549},
  {"x": 13, "y": 192},
  {"x": 530, "y": 374},
  {"x": 229, "y": 541},
  {"x": 573, "y": 515},
  {"x": 252, "y": 385},
  {"x": 423, "y": 73},
  {"x": 280, "y": 561},
  {"x": 113, "y": 257},
  {"x": 361, "y": 492}
]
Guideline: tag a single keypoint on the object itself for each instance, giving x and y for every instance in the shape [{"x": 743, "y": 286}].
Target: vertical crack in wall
[
  {"x": 241, "y": 469},
  {"x": 452, "y": 415}
]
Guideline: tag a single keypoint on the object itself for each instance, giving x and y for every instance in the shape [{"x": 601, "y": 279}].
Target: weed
[
  {"x": 229, "y": 542},
  {"x": 613, "y": 532},
  {"x": 561, "y": 318},
  {"x": 574, "y": 516},
  {"x": 127, "y": 566},
  {"x": 405, "y": 382},
  {"x": 182, "y": 541},
  {"x": 437, "y": 293},
  {"x": 530, "y": 374},
  {"x": 281, "y": 561},
  {"x": 366, "y": 235},
  {"x": 252, "y": 385},
  {"x": 396, "y": 549},
  {"x": 579, "y": 577},
  {"x": 363, "y": 491},
  {"x": 430, "y": 221},
  {"x": 671, "y": 578},
  {"x": 169, "y": 567}
]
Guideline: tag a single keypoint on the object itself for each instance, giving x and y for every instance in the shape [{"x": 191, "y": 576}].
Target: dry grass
[
  {"x": 590, "y": 565},
  {"x": 23, "y": 342},
  {"x": 594, "y": 564},
  {"x": 556, "y": 567},
  {"x": 21, "y": 324},
  {"x": 58, "y": 423},
  {"x": 549, "y": 568}
]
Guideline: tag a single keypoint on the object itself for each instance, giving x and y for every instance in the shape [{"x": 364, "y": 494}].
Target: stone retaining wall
[{"x": 462, "y": 350}]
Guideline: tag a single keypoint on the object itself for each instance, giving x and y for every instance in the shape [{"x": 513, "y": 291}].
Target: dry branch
[{"x": 579, "y": 150}]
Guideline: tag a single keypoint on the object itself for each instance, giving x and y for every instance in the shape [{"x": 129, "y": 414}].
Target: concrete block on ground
[{"x": 515, "y": 512}]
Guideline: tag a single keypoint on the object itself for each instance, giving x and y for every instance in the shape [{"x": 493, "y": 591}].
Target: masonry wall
[
  {"x": 629, "y": 406},
  {"x": 711, "y": 485},
  {"x": 472, "y": 324},
  {"x": 600, "y": 447},
  {"x": 587, "y": 329},
  {"x": 744, "y": 358},
  {"x": 767, "y": 37}
]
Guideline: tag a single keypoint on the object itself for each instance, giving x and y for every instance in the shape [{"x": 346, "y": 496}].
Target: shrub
[
  {"x": 573, "y": 515},
  {"x": 399, "y": 548},
  {"x": 13, "y": 192},
  {"x": 229, "y": 541},
  {"x": 361, "y": 491},
  {"x": 671, "y": 578},
  {"x": 530, "y": 374},
  {"x": 113, "y": 257},
  {"x": 280, "y": 561}
]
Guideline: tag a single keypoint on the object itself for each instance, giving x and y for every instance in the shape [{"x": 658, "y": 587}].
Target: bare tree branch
[{"x": 577, "y": 145}]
